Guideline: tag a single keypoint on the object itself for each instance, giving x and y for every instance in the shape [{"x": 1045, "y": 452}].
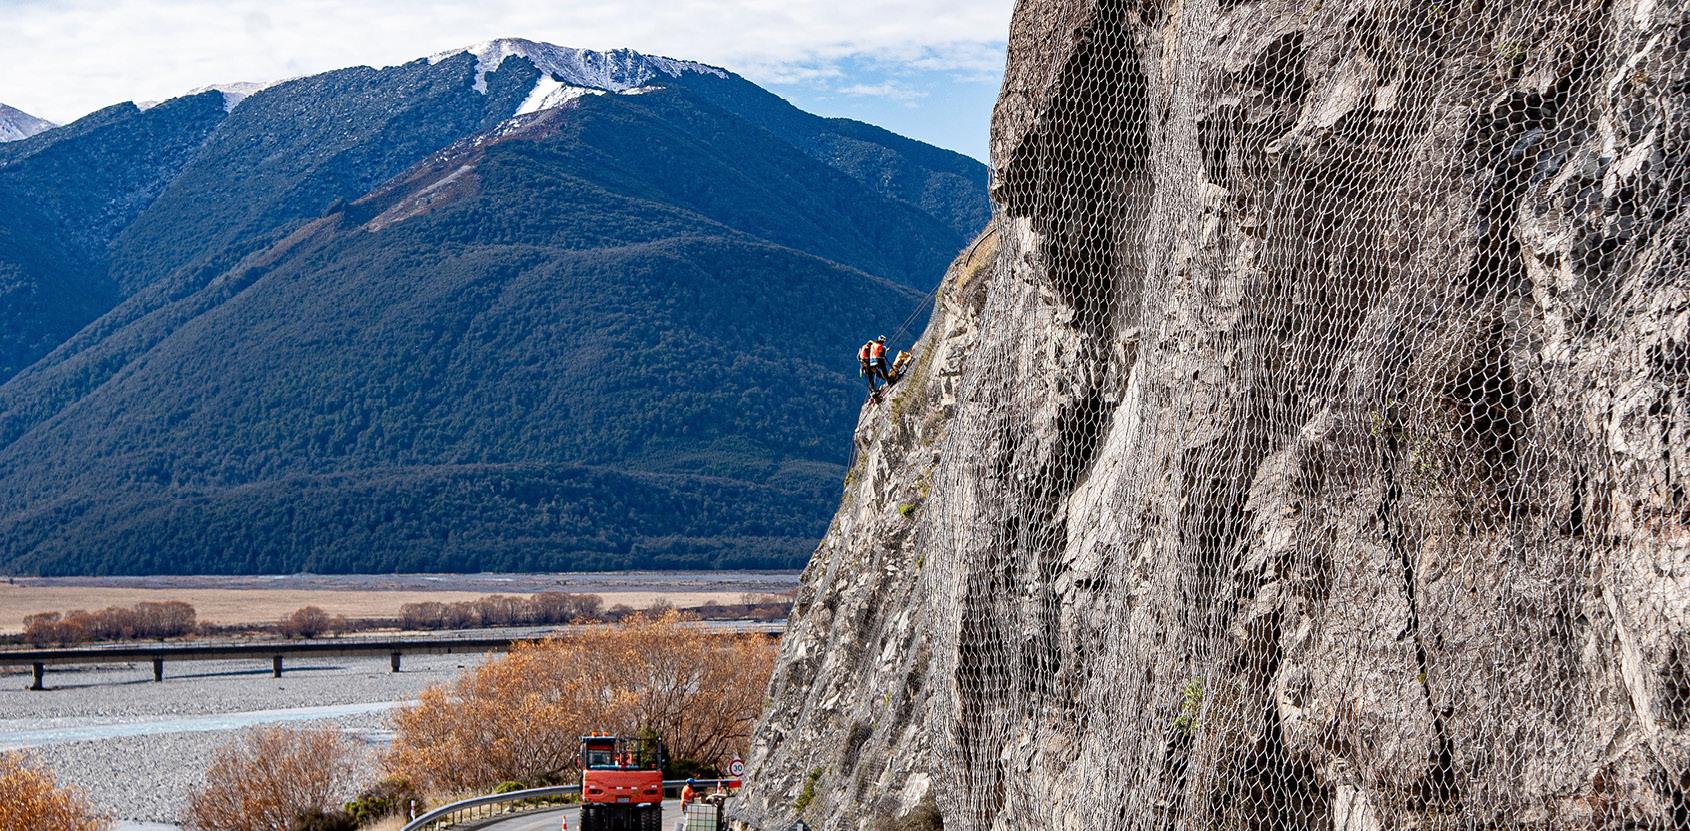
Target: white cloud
[
  {"x": 885, "y": 89},
  {"x": 65, "y": 58}
]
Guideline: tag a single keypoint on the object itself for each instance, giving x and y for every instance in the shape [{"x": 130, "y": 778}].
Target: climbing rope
[{"x": 927, "y": 301}]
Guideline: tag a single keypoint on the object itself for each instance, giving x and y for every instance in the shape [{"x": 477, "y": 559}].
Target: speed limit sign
[{"x": 736, "y": 768}]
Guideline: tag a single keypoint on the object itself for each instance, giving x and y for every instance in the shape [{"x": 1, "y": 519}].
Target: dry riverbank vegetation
[
  {"x": 515, "y": 718},
  {"x": 379, "y": 601},
  {"x": 143, "y": 621},
  {"x": 161, "y": 620},
  {"x": 275, "y": 777},
  {"x": 520, "y": 717},
  {"x": 31, "y": 798}
]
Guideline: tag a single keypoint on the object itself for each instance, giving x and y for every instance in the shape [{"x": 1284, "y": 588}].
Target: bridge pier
[
  {"x": 276, "y": 666},
  {"x": 38, "y": 673},
  {"x": 393, "y": 661},
  {"x": 158, "y": 670}
]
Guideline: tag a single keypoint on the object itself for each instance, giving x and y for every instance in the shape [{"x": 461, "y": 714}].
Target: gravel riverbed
[{"x": 165, "y": 733}]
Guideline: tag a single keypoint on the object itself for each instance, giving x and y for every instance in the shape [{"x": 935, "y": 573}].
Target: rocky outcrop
[{"x": 1319, "y": 458}]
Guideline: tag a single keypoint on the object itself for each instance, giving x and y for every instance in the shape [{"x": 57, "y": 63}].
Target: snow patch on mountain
[
  {"x": 16, "y": 124},
  {"x": 233, "y": 93},
  {"x": 616, "y": 71},
  {"x": 549, "y": 93}
]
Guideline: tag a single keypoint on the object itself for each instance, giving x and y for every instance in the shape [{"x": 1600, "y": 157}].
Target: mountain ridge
[
  {"x": 15, "y": 124},
  {"x": 615, "y": 70},
  {"x": 430, "y": 294}
]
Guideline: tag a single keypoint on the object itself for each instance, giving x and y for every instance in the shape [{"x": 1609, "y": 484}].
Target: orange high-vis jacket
[{"x": 872, "y": 351}]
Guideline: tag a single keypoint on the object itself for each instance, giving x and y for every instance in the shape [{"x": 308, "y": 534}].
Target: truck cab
[{"x": 621, "y": 783}]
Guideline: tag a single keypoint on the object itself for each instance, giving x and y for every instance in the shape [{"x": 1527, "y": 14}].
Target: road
[{"x": 550, "y": 820}]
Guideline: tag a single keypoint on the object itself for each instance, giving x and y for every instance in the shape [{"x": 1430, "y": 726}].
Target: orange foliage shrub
[
  {"x": 520, "y": 717},
  {"x": 501, "y": 610},
  {"x": 169, "y": 619},
  {"x": 310, "y": 622},
  {"x": 30, "y": 798},
  {"x": 269, "y": 776}
]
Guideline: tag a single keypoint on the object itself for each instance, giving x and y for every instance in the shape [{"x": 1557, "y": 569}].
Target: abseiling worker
[{"x": 873, "y": 359}]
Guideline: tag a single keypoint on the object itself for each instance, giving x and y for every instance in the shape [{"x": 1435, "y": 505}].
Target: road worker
[{"x": 872, "y": 358}]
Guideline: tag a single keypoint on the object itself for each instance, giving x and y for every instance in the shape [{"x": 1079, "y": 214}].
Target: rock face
[
  {"x": 850, "y": 719},
  {"x": 1319, "y": 455}
]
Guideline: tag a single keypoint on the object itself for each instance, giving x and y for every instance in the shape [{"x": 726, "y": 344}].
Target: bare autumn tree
[
  {"x": 169, "y": 619},
  {"x": 268, "y": 776},
  {"x": 31, "y": 798},
  {"x": 309, "y": 622},
  {"x": 520, "y": 717},
  {"x": 503, "y": 610}
]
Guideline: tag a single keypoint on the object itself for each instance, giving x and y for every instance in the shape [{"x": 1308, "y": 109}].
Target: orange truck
[{"x": 621, "y": 784}]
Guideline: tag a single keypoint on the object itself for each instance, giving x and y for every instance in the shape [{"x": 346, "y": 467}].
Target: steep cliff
[
  {"x": 849, "y": 718},
  {"x": 1319, "y": 456}
]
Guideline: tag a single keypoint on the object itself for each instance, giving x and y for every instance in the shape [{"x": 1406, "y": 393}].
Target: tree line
[
  {"x": 555, "y": 608},
  {"x": 177, "y": 619},
  {"x": 544, "y": 608},
  {"x": 143, "y": 621}
]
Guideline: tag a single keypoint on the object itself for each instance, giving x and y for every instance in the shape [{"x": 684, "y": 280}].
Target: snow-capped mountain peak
[
  {"x": 16, "y": 124},
  {"x": 615, "y": 71}
]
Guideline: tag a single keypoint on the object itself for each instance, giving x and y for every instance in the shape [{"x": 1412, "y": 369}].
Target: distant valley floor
[{"x": 244, "y": 600}]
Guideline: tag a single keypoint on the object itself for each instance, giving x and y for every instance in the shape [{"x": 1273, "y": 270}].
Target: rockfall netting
[{"x": 1322, "y": 459}]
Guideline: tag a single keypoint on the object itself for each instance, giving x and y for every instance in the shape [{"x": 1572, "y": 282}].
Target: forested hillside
[
  {"x": 388, "y": 320},
  {"x": 64, "y": 195}
]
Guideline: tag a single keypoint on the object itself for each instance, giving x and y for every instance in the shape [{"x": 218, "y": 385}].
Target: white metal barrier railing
[{"x": 464, "y": 806}]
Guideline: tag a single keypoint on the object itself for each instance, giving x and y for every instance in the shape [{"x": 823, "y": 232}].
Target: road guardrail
[{"x": 464, "y": 806}]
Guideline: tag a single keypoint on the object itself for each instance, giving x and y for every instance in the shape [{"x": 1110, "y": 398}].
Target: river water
[{"x": 20, "y": 733}]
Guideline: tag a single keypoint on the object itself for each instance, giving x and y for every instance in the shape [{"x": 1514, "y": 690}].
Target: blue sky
[
  {"x": 926, "y": 68},
  {"x": 949, "y": 108}
]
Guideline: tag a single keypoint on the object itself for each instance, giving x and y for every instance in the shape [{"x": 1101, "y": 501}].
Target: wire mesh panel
[{"x": 1322, "y": 461}]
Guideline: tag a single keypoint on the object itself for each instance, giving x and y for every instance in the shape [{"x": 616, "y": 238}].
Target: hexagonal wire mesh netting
[{"x": 1322, "y": 461}]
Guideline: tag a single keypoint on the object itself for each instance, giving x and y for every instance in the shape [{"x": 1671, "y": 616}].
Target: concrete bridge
[{"x": 279, "y": 651}]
